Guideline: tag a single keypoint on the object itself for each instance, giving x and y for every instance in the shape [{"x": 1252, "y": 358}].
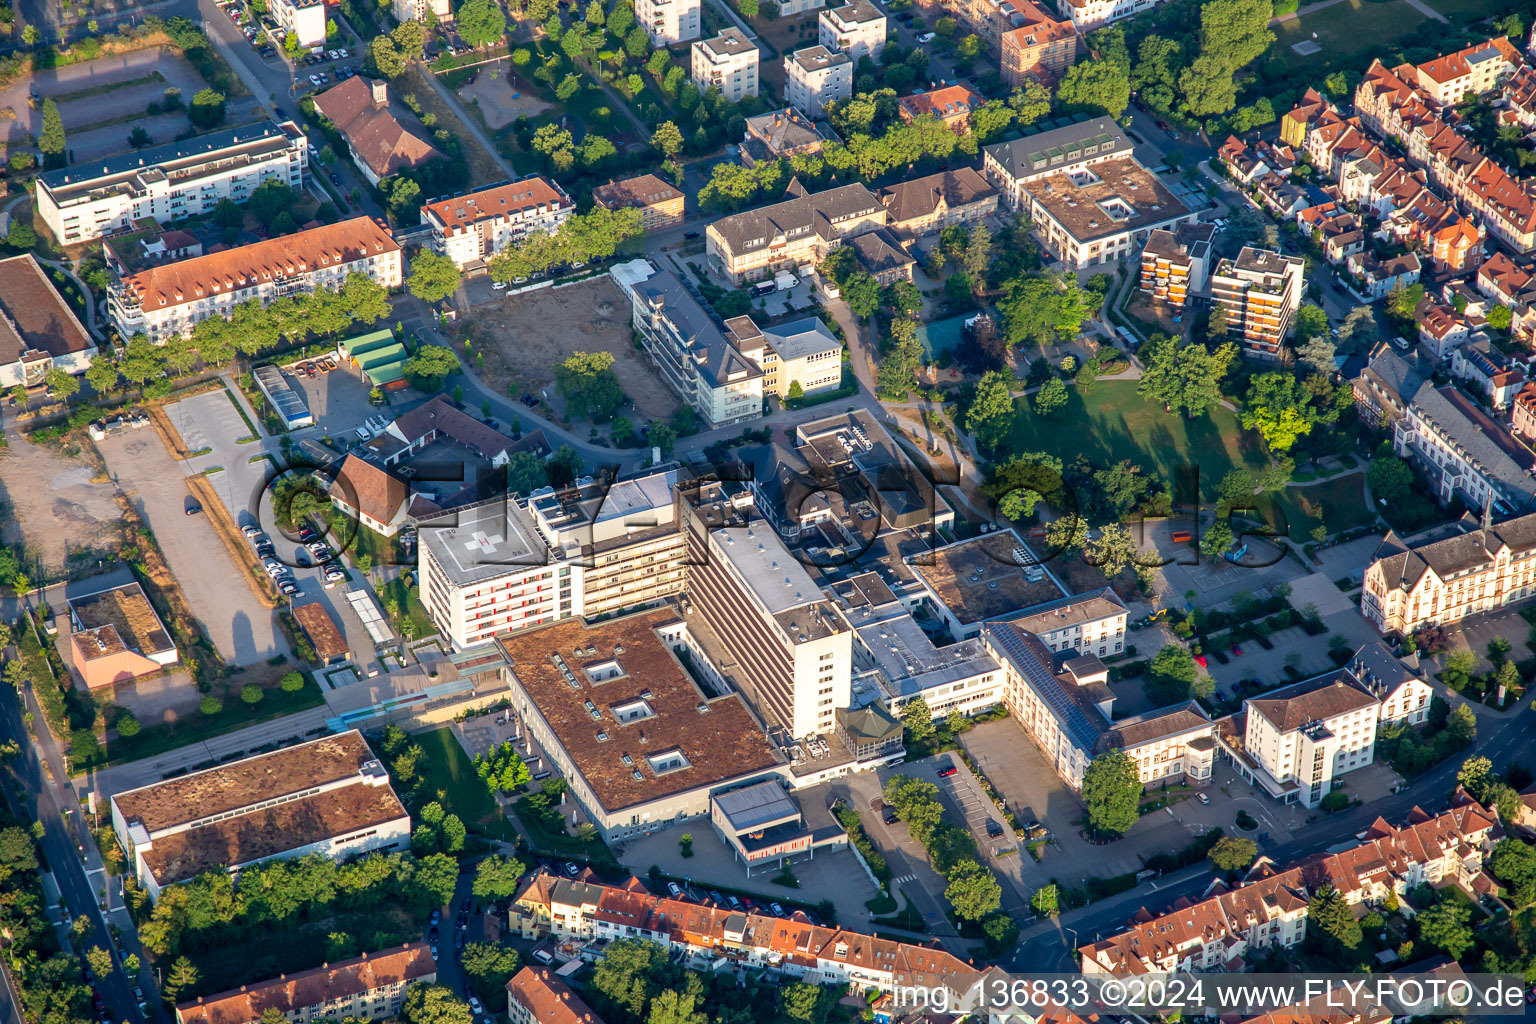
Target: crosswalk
[{"x": 904, "y": 879}]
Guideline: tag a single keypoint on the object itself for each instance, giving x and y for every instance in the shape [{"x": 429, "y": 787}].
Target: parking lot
[
  {"x": 240, "y": 626},
  {"x": 338, "y": 54}
]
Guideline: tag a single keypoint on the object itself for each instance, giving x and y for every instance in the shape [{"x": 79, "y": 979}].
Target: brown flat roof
[
  {"x": 1120, "y": 180},
  {"x": 720, "y": 743},
  {"x": 37, "y": 317},
  {"x": 129, "y": 613},
  {"x": 266, "y": 833},
  {"x": 978, "y": 579},
  {"x": 322, "y": 631},
  {"x": 242, "y": 783}
]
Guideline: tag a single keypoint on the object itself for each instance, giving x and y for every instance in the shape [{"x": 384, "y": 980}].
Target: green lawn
[
  {"x": 1339, "y": 503},
  {"x": 1348, "y": 30},
  {"x": 1114, "y": 423},
  {"x": 448, "y": 776},
  {"x": 1463, "y": 11}
]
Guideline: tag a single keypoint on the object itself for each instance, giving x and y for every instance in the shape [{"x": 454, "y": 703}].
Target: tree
[
  {"x": 1235, "y": 32},
  {"x": 181, "y": 977},
  {"x": 1462, "y": 725},
  {"x": 1311, "y": 322},
  {"x": 1499, "y": 317},
  {"x": 589, "y": 385},
  {"x": 1186, "y": 379},
  {"x": 1112, "y": 792},
  {"x": 973, "y": 891},
  {"x": 430, "y": 364},
  {"x": 1389, "y": 478},
  {"x": 481, "y": 22},
  {"x": 207, "y": 109},
  {"x": 1040, "y": 310},
  {"x": 1171, "y": 674},
  {"x": 1066, "y": 535},
  {"x": 63, "y": 385},
  {"x": 1096, "y": 84},
  {"x": 435, "y": 1004},
  {"x": 1051, "y": 398},
  {"x": 917, "y": 719},
  {"x": 99, "y": 959},
  {"x": 667, "y": 139},
  {"x": 251, "y": 693},
  {"x": 489, "y": 966},
  {"x": 433, "y": 276},
  {"x": 387, "y": 58},
  {"x": 102, "y": 375},
  {"x": 496, "y": 877},
  {"x": 1316, "y": 354},
  {"x": 410, "y": 37},
  {"x": 802, "y": 1002},
  {"x": 502, "y": 769},
  {"x": 862, "y": 293},
  {"x": 1233, "y": 853},
  {"x": 1334, "y": 917},
  {"x": 1045, "y": 902},
  {"x": 1206, "y": 87},
  {"x": 1444, "y": 925},
  {"x": 51, "y": 141},
  {"x": 990, "y": 415},
  {"x": 1513, "y": 862},
  {"x": 1277, "y": 408},
  {"x": 139, "y": 138}
]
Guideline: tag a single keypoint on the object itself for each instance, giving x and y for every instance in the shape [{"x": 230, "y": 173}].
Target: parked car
[
  {"x": 437, "y": 916},
  {"x": 1200, "y": 660},
  {"x": 778, "y": 911},
  {"x": 674, "y": 889},
  {"x": 1237, "y": 650},
  {"x": 1202, "y": 798},
  {"x": 288, "y": 587},
  {"x": 334, "y": 575},
  {"x": 948, "y": 770},
  {"x": 571, "y": 869},
  {"x": 690, "y": 235},
  {"x": 475, "y": 1007},
  {"x": 890, "y": 816},
  {"x": 715, "y": 897},
  {"x": 498, "y": 286},
  {"x": 926, "y": 37},
  {"x": 434, "y": 954},
  {"x": 193, "y": 506},
  {"x": 994, "y": 829}
]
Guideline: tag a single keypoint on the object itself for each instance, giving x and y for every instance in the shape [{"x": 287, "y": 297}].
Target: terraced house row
[{"x": 1268, "y": 909}]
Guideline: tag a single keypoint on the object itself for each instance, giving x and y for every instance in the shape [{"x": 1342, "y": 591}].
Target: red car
[
  {"x": 947, "y": 771},
  {"x": 1237, "y": 650},
  {"x": 1200, "y": 660}
]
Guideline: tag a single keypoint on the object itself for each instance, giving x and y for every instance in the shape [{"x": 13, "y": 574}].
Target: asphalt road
[{"x": 64, "y": 842}]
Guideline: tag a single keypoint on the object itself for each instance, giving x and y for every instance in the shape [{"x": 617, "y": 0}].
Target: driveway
[{"x": 243, "y": 630}]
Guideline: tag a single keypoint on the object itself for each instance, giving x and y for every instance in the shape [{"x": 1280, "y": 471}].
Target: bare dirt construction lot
[
  {"x": 524, "y": 337},
  {"x": 500, "y": 99},
  {"x": 54, "y": 507}
]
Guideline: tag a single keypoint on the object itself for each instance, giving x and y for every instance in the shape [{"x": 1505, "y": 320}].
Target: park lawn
[
  {"x": 448, "y": 776},
  {"x": 1338, "y": 502},
  {"x": 1346, "y": 31},
  {"x": 1462, "y": 11},
  {"x": 1114, "y": 423}
]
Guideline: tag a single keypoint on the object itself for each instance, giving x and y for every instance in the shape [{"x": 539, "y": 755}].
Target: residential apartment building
[
  {"x": 951, "y": 104},
  {"x": 367, "y": 987},
  {"x": 660, "y": 204},
  {"x": 1087, "y": 15},
  {"x": 622, "y": 720},
  {"x": 39, "y": 331},
  {"x": 329, "y": 796},
  {"x": 1261, "y": 291},
  {"x": 381, "y": 144},
  {"x": 536, "y": 996},
  {"x": 920, "y": 206},
  {"x": 585, "y": 910},
  {"x": 470, "y": 229},
  {"x": 170, "y": 299},
  {"x": 171, "y": 181},
  {"x": 485, "y": 570},
  {"x": 1482, "y": 569},
  {"x": 1301, "y": 737},
  {"x": 1064, "y": 704},
  {"x": 856, "y": 28},
  {"x": 1446, "y": 81},
  {"x": 1268, "y": 909},
  {"x": 728, "y": 62},
  {"x": 695, "y": 357},
  {"x": 1090, "y": 200},
  {"x": 1037, "y": 46},
  {"x": 417, "y": 10},
  {"x": 815, "y": 76},
  {"x": 756, "y": 244},
  {"x": 1463, "y": 452},
  {"x": 669, "y": 22},
  {"x": 802, "y": 352},
  {"x": 304, "y": 19},
  {"x": 792, "y": 652},
  {"x": 625, "y": 535},
  {"x": 1176, "y": 264}
]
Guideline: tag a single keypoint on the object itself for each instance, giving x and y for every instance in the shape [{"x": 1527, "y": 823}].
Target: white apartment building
[
  {"x": 329, "y": 796},
  {"x": 624, "y": 535},
  {"x": 792, "y": 651},
  {"x": 669, "y": 22},
  {"x": 1089, "y": 623},
  {"x": 171, "y": 298},
  {"x": 727, "y": 62},
  {"x": 302, "y": 18},
  {"x": 1297, "y": 740},
  {"x": 168, "y": 182},
  {"x": 1261, "y": 291},
  {"x": 857, "y": 29},
  {"x": 469, "y": 229},
  {"x": 1087, "y": 15},
  {"x": 803, "y": 352},
  {"x": 417, "y": 10},
  {"x": 816, "y": 76},
  {"x": 485, "y": 570}
]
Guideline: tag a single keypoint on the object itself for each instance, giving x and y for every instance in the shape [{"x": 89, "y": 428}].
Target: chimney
[{"x": 380, "y": 93}]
